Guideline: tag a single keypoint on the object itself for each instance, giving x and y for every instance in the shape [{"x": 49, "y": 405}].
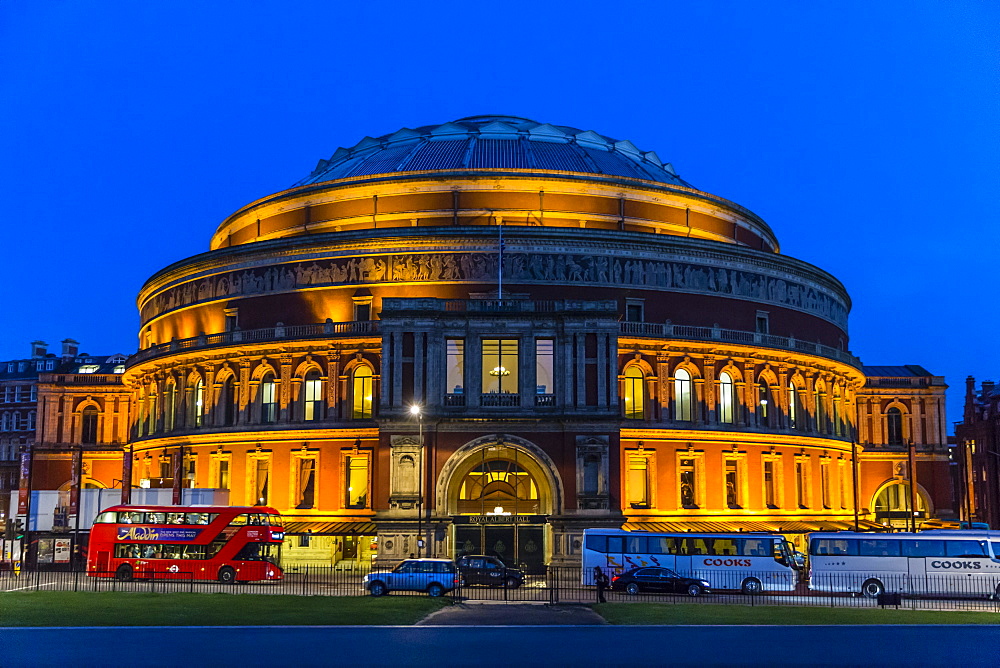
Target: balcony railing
[
  {"x": 81, "y": 378},
  {"x": 504, "y": 399},
  {"x": 452, "y": 400},
  {"x": 498, "y": 305},
  {"x": 278, "y": 332},
  {"x": 671, "y": 331}
]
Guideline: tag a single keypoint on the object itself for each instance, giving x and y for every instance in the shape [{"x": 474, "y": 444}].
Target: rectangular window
[
  {"x": 305, "y": 482},
  {"x": 800, "y": 484},
  {"x": 770, "y": 495},
  {"x": 824, "y": 481},
  {"x": 313, "y": 393},
  {"x": 732, "y": 483},
  {"x": 268, "y": 402},
  {"x": 634, "y": 310},
  {"x": 638, "y": 481},
  {"x": 544, "y": 366},
  {"x": 455, "y": 362},
  {"x": 688, "y": 486},
  {"x": 500, "y": 366},
  {"x": 259, "y": 469},
  {"x": 363, "y": 310},
  {"x": 793, "y": 407},
  {"x": 842, "y": 479},
  {"x": 763, "y": 323},
  {"x": 221, "y": 477},
  {"x": 356, "y": 468}
]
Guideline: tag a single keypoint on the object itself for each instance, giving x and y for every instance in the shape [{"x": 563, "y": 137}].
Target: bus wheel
[
  {"x": 872, "y": 588},
  {"x": 694, "y": 590},
  {"x": 435, "y": 590},
  {"x": 124, "y": 573},
  {"x": 751, "y": 586},
  {"x": 227, "y": 575}
]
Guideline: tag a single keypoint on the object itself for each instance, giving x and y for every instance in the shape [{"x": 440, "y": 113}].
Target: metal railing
[{"x": 555, "y": 584}]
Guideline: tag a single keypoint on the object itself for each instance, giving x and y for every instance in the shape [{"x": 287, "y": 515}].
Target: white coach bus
[
  {"x": 750, "y": 562},
  {"x": 963, "y": 563}
]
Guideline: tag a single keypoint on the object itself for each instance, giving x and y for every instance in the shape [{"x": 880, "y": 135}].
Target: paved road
[{"x": 483, "y": 647}]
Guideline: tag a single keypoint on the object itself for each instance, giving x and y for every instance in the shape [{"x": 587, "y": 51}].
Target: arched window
[
  {"x": 227, "y": 402},
  {"x": 88, "y": 433},
  {"x": 362, "y": 393},
  {"x": 727, "y": 399},
  {"x": 766, "y": 406},
  {"x": 894, "y": 426},
  {"x": 171, "y": 407},
  {"x": 796, "y": 413},
  {"x": 682, "y": 395},
  {"x": 635, "y": 394},
  {"x": 268, "y": 399},
  {"x": 819, "y": 399},
  {"x": 198, "y": 404},
  {"x": 312, "y": 395}
]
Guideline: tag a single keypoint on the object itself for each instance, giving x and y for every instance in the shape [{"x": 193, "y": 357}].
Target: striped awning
[
  {"x": 319, "y": 528},
  {"x": 771, "y": 526}
]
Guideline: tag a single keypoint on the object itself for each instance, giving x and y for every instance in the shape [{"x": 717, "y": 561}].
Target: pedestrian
[{"x": 601, "y": 580}]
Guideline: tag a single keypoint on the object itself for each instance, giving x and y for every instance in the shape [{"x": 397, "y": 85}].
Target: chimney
[
  {"x": 969, "y": 414},
  {"x": 38, "y": 349},
  {"x": 69, "y": 349}
]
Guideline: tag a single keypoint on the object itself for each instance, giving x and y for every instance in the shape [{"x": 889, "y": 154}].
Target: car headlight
[{"x": 705, "y": 583}]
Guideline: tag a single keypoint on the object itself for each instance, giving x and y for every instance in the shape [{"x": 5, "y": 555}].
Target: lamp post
[{"x": 416, "y": 412}]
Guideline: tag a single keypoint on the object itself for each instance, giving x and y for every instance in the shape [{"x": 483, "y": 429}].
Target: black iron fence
[{"x": 564, "y": 585}]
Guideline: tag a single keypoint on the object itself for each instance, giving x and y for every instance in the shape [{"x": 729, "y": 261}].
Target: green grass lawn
[
  {"x": 126, "y": 609},
  {"x": 681, "y": 614}
]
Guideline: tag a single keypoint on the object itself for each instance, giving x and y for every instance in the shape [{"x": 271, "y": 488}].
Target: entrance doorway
[{"x": 516, "y": 544}]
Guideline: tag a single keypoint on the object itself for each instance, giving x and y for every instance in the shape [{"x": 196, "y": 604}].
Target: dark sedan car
[
  {"x": 661, "y": 580},
  {"x": 483, "y": 570}
]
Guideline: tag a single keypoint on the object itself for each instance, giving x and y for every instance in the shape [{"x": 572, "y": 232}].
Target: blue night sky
[{"x": 864, "y": 133}]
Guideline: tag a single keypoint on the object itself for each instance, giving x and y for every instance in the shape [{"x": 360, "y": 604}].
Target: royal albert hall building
[{"x": 493, "y": 334}]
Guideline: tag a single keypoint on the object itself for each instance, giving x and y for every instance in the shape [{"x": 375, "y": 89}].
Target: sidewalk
[{"x": 499, "y": 613}]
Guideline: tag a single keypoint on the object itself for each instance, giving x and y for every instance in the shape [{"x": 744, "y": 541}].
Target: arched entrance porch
[{"x": 499, "y": 491}]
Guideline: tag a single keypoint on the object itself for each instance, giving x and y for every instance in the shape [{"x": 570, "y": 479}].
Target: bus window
[
  {"x": 659, "y": 545},
  {"x": 879, "y": 548},
  {"x": 194, "y": 552},
  {"x": 756, "y": 547},
  {"x": 238, "y": 521},
  {"x": 700, "y": 545},
  {"x": 106, "y": 518},
  {"x": 156, "y": 518},
  {"x": 923, "y": 548},
  {"x": 835, "y": 547},
  {"x": 175, "y": 518},
  {"x": 724, "y": 547},
  {"x": 964, "y": 548},
  {"x": 616, "y": 544},
  {"x": 636, "y": 545},
  {"x": 597, "y": 543},
  {"x": 198, "y": 518},
  {"x": 130, "y": 517}
]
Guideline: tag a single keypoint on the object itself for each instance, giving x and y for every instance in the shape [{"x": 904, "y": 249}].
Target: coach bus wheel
[
  {"x": 751, "y": 586},
  {"x": 694, "y": 590},
  {"x": 376, "y": 589},
  {"x": 632, "y": 588},
  {"x": 872, "y": 588},
  {"x": 227, "y": 575},
  {"x": 435, "y": 590},
  {"x": 124, "y": 573}
]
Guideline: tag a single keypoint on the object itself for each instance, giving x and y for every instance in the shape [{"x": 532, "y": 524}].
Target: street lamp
[{"x": 416, "y": 412}]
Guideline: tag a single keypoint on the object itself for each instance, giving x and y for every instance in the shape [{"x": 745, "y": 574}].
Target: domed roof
[{"x": 494, "y": 142}]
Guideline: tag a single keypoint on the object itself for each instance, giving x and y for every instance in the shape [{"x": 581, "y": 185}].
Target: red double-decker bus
[{"x": 224, "y": 543}]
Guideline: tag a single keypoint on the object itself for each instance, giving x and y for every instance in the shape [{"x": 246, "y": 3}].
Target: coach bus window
[
  {"x": 636, "y": 545},
  {"x": 616, "y": 544},
  {"x": 659, "y": 545},
  {"x": 597, "y": 543},
  {"x": 835, "y": 547},
  {"x": 724, "y": 547},
  {"x": 964, "y": 548},
  {"x": 756, "y": 547},
  {"x": 923, "y": 548},
  {"x": 879, "y": 548}
]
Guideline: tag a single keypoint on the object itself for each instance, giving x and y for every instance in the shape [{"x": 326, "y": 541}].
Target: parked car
[
  {"x": 434, "y": 576},
  {"x": 478, "y": 569},
  {"x": 658, "y": 580}
]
